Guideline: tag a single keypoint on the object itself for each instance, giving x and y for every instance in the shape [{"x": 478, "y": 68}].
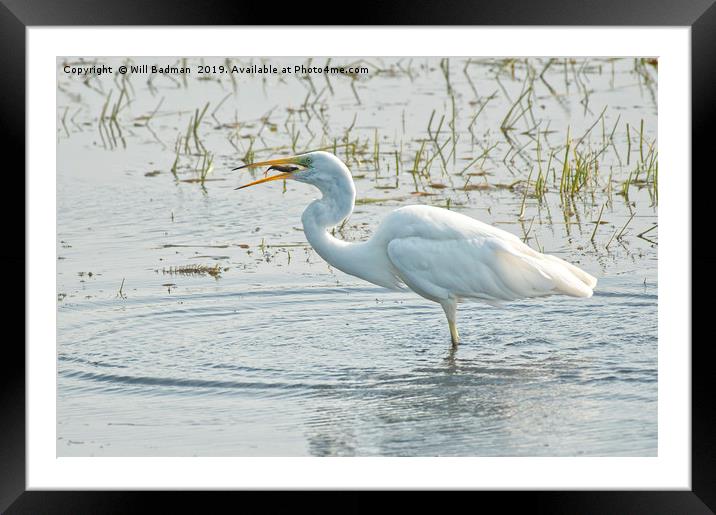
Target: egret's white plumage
[{"x": 441, "y": 255}]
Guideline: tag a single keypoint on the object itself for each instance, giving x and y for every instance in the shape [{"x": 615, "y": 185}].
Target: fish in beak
[{"x": 286, "y": 166}]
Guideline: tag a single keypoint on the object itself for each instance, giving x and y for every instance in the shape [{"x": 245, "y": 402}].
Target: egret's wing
[{"x": 484, "y": 267}]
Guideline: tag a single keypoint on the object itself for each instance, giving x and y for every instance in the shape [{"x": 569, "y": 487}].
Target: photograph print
[{"x": 343, "y": 256}]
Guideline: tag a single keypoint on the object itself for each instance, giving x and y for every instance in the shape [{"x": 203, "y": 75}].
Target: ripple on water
[{"x": 325, "y": 362}]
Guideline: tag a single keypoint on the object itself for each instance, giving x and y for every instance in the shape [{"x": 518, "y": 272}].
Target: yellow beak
[{"x": 273, "y": 162}]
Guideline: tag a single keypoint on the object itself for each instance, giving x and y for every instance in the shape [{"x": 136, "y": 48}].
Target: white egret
[{"x": 441, "y": 255}]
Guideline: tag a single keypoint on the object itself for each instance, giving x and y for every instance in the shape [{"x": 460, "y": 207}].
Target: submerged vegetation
[{"x": 213, "y": 271}]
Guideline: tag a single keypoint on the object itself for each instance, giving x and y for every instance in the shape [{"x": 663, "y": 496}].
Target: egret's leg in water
[
  {"x": 454, "y": 334},
  {"x": 450, "y": 308}
]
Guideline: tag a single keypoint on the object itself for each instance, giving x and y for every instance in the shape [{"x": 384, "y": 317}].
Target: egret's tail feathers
[
  {"x": 530, "y": 274},
  {"x": 569, "y": 279}
]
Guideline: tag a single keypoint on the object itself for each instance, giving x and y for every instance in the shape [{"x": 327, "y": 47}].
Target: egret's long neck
[
  {"x": 325, "y": 213},
  {"x": 367, "y": 260}
]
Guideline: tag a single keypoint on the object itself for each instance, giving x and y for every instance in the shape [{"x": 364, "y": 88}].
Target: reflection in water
[
  {"x": 450, "y": 359},
  {"x": 471, "y": 404}
]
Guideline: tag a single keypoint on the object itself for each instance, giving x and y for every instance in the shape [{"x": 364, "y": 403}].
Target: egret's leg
[
  {"x": 450, "y": 308},
  {"x": 454, "y": 334}
]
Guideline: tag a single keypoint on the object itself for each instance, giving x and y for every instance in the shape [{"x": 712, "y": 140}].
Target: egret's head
[{"x": 321, "y": 169}]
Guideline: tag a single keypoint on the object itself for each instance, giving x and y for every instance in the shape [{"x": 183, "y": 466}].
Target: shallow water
[{"x": 281, "y": 355}]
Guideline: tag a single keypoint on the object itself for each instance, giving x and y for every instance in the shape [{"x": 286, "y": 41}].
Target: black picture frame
[{"x": 17, "y": 15}]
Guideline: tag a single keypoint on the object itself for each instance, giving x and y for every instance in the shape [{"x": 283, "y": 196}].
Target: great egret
[{"x": 439, "y": 254}]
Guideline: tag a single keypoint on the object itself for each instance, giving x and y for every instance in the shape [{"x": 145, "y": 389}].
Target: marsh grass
[{"x": 489, "y": 118}]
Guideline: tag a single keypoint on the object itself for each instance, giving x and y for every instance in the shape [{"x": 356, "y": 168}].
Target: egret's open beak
[{"x": 285, "y": 165}]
